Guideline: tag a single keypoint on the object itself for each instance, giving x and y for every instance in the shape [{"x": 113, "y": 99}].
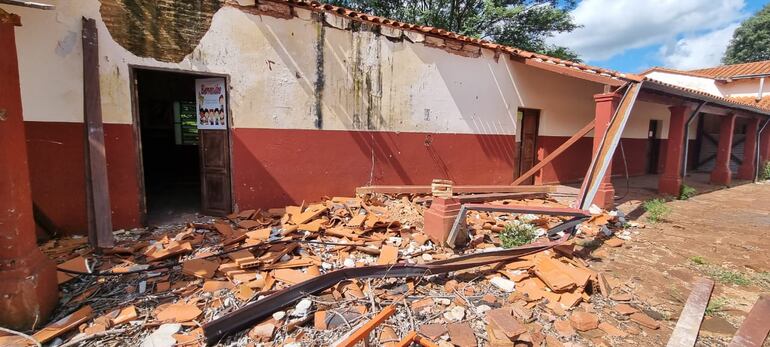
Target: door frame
[
  {"x": 653, "y": 150},
  {"x": 137, "y": 129},
  {"x": 531, "y": 112}
]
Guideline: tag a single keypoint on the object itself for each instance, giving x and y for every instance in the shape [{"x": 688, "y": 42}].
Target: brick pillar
[
  {"x": 606, "y": 104},
  {"x": 439, "y": 218},
  {"x": 28, "y": 289},
  {"x": 671, "y": 178},
  {"x": 721, "y": 175},
  {"x": 748, "y": 167}
]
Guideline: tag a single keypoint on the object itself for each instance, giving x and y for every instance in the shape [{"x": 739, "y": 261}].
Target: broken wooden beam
[
  {"x": 688, "y": 326},
  {"x": 558, "y": 151},
  {"x": 754, "y": 329},
  {"x": 416, "y": 189},
  {"x": 97, "y": 189}
]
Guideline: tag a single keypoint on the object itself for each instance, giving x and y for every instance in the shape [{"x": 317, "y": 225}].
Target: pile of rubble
[{"x": 160, "y": 287}]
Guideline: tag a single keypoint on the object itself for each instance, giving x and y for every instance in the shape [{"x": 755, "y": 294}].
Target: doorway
[
  {"x": 530, "y": 121},
  {"x": 186, "y": 170},
  {"x": 653, "y": 146}
]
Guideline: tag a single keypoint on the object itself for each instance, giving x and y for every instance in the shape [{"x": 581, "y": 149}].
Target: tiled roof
[
  {"x": 736, "y": 70},
  {"x": 763, "y": 107},
  {"x": 674, "y": 71},
  {"x": 427, "y": 30},
  {"x": 762, "y": 103}
]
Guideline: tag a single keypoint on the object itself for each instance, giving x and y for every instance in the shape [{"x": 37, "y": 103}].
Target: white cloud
[
  {"x": 610, "y": 27},
  {"x": 697, "y": 51}
]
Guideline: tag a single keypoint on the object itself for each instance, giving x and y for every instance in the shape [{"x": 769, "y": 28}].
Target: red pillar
[
  {"x": 748, "y": 167},
  {"x": 605, "y": 107},
  {"x": 671, "y": 179},
  {"x": 721, "y": 175},
  {"x": 28, "y": 286}
]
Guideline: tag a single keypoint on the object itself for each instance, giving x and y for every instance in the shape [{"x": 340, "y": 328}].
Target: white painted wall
[{"x": 272, "y": 67}]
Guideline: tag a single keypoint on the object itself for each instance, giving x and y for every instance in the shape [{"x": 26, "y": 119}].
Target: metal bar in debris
[
  {"x": 412, "y": 189},
  {"x": 609, "y": 142},
  {"x": 558, "y": 151},
  {"x": 263, "y": 308},
  {"x": 688, "y": 326},
  {"x": 755, "y": 327},
  {"x": 30, "y": 4}
]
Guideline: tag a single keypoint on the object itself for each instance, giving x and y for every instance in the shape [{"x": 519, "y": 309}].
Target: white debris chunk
[
  {"x": 503, "y": 284},
  {"x": 163, "y": 336},
  {"x": 302, "y": 308}
]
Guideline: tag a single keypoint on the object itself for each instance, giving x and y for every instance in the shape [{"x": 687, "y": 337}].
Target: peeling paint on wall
[
  {"x": 167, "y": 30},
  {"x": 319, "y": 80}
]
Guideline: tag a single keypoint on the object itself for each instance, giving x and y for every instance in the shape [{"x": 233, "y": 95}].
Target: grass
[
  {"x": 656, "y": 210},
  {"x": 764, "y": 171},
  {"x": 716, "y": 305},
  {"x": 517, "y": 233},
  {"x": 686, "y": 192},
  {"x": 728, "y": 276},
  {"x": 698, "y": 260}
]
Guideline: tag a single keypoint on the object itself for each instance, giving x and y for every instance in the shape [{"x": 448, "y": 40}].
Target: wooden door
[
  {"x": 528, "y": 150},
  {"x": 215, "y": 172},
  {"x": 653, "y": 147}
]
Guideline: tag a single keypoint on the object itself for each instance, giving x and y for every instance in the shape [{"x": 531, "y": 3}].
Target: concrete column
[
  {"x": 748, "y": 166},
  {"x": 606, "y": 104},
  {"x": 671, "y": 178},
  {"x": 764, "y": 146},
  {"x": 28, "y": 286},
  {"x": 721, "y": 175}
]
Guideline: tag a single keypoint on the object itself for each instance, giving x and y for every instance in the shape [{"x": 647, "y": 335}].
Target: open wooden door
[
  {"x": 528, "y": 151},
  {"x": 214, "y": 144}
]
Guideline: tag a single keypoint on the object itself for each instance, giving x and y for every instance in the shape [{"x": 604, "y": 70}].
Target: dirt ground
[{"x": 720, "y": 234}]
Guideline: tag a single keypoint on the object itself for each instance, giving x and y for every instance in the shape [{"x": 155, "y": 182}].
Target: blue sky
[{"x": 633, "y": 35}]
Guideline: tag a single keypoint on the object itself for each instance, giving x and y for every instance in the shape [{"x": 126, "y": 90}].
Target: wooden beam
[
  {"x": 97, "y": 190},
  {"x": 364, "y": 331},
  {"x": 558, "y": 151},
  {"x": 688, "y": 326},
  {"x": 456, "y": 189},
  {"x": 754, "y": 329}
]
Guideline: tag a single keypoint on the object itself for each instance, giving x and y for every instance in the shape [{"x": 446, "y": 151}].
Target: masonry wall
[{"x": 319, "y": 104}]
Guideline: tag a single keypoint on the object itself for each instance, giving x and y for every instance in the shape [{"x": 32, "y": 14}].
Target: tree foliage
[
  {"x": 524, "y": 24},
  {"x": 751, "y": 41}
]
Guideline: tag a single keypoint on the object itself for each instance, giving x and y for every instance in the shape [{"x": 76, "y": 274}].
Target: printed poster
[{"x": 211, "y": 105}]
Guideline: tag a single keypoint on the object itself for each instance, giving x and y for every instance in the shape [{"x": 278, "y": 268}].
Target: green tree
[
  {"x": 751, "y": 41},
  {"x": 524, "y": 24}
]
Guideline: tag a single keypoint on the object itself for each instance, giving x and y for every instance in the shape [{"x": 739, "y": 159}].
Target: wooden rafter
[{"x": 558, "y": 151}]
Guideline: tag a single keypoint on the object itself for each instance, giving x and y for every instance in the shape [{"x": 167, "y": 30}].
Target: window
[{"x": 185, "y": 123}]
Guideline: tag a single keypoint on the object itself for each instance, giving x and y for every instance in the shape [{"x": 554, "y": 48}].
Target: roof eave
[{"x": 673, "y": 90}]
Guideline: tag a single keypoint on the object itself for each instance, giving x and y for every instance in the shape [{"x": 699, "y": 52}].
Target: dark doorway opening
[
  {"x": 530, "y": 122},
  {"x": 165, "y": 102},
  {"x": 653, "y": 146}
]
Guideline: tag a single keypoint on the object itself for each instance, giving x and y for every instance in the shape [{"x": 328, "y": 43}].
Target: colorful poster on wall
[{"x": 211, "y": 105}]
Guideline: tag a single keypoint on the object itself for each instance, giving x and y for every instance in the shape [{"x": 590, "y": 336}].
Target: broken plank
[
  {"x": 417, "y": 189},
  {"x": 362, "y": 332},
  {"x": 688, "y": 326},
  {"x": 755, "y": 327}
]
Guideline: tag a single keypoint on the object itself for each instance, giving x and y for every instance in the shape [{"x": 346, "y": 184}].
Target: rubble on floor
[{"x": 159, "y": 287}]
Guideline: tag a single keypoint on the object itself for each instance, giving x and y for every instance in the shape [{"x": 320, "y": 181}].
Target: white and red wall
[{"x": 318, "y": 108}]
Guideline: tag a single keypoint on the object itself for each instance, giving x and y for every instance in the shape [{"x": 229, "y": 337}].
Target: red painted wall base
[
  {"x": 57, "y": 171},
  {"x": 278, "y": 167}
]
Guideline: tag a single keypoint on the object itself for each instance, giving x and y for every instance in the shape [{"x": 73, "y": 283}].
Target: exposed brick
[{"x": 167, "y": 30}]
